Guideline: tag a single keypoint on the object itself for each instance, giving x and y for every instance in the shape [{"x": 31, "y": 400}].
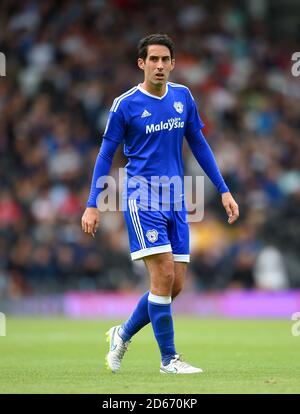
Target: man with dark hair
[{"x": 151, "y": 120}]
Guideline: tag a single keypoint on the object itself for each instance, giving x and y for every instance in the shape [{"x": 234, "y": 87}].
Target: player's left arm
[
  {"x": 231, "y": 207},
  {"x": 206, "y": 159}
]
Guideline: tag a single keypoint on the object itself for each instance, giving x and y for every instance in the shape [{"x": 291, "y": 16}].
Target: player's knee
[
  {"x": 162, "y": 275},
  {"x": 178, "y": 282},
  {"x": 168, "y": 278},
  {"x": 163, "y": 283},
  {"x": 169, "y": 272},
  {"x": 177, "y": 286},
  {"x": 176, "y": 290}
]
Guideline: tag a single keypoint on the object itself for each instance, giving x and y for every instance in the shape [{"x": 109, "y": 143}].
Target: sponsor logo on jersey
[
  {"x": 178, "y": 107},
  {"x": 172, "y": 123},
  {"x": 152, "y": 235}
]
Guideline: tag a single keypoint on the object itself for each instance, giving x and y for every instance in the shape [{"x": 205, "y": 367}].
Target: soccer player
[{"x": 151, "y": 120}]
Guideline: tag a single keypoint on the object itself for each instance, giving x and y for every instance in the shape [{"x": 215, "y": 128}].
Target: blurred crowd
[{"x": 66, "y": 62}]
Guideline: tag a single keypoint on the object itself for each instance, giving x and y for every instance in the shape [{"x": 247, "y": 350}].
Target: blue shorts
[{"x": 152, "y": 232}]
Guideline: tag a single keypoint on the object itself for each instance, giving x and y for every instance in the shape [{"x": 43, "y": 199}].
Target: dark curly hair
[{"x": 155, "y": 39}]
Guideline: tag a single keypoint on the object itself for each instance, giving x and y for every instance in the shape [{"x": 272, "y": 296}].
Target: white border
[
  {"x": 165, "y": 248},
  {"x": 181, "y": 258},
  {"x": 141, "y": 89},
  {"x": 136, "y": 222},
  {"x": 120, "y": 98},
  {"x": 161, "y": 300}
]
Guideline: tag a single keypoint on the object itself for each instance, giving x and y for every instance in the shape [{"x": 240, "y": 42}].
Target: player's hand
[
  {"x": 90, "y": 220},
  {"x": 231, "y": 207}
]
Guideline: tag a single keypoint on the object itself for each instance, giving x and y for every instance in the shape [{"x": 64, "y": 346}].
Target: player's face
[{"x": 158, "y": 65}]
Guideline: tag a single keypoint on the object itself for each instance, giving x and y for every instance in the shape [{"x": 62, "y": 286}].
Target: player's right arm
[
  {"x": 91, "y": 217},
  {"x": 113, "y": 135},
  {"x": 90, "y": 220}
]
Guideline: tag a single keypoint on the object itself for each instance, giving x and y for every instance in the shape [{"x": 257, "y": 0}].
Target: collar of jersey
[{"x": 150, "y": 94}]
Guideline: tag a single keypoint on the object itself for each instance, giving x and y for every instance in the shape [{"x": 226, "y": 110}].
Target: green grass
[{"x": 67, "y": 356}]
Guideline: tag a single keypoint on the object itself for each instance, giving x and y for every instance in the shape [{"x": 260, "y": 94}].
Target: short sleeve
[
  {"x": 115, "y": 126},
  {"x": 194, "y": 122}
]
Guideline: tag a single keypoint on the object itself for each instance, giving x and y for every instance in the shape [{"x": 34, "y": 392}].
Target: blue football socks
[
  {"x": 156, "y": 309},
  {"x": 159, "y": 308},
  {"x": 138, "y": 319}
]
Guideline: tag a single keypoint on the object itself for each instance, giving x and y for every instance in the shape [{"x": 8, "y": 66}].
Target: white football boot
[
  {"x": 117, "y": 349},
  {"x": 178, "y": 366}
]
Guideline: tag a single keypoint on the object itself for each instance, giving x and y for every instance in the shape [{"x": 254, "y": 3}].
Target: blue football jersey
[{"x": 152, "y": 129}]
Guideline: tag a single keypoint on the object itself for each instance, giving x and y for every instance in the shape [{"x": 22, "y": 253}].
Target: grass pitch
[{"x": 67, "y": 356}]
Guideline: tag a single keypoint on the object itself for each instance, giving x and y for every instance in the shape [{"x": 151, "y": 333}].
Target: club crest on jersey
[
  {"x": 178, "y": 107},
  {"x": 152, "y": 235}
]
